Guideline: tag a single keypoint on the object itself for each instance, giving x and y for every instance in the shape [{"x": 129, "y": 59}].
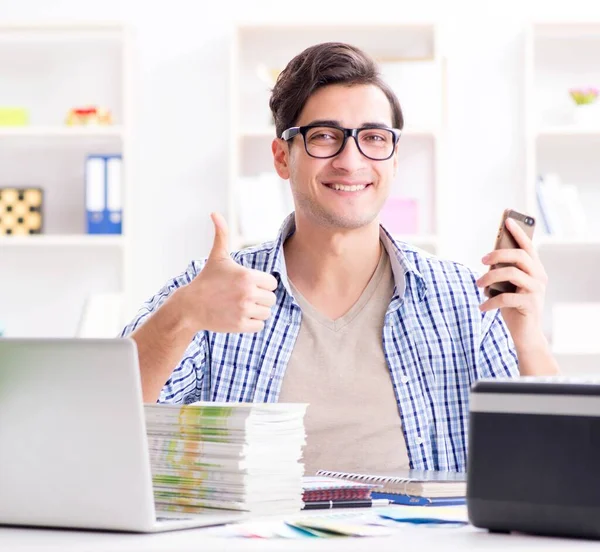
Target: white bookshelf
[
  {"x": 47, "y": 280},
  {"x": 407, "y": 53},
  {"x": 560, "y": 56},
  {"x": 73, "y": 240}
]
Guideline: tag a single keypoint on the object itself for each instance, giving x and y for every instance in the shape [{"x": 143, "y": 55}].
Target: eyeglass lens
[{"x": 376, "y": 143}]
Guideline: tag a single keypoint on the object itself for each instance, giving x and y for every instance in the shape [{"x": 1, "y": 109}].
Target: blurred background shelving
[
  {"x": 51, "y": 280},
  {"x": 563, "y": 183}
]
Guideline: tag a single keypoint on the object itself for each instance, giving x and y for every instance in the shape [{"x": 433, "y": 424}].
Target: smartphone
[{"x": 505, "y": 240}]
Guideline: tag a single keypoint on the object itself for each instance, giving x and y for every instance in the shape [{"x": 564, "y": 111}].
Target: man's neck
[{"x": 321, "y": 261}]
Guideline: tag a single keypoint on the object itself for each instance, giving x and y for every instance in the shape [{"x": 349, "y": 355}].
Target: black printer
[{"x": 534, "y": 456}]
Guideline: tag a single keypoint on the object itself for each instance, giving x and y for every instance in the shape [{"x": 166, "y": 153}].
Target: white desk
[{"x": 410, "y": 539}]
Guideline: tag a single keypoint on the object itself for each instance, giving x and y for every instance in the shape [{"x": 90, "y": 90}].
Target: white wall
[{"x": 182, "y": 103}]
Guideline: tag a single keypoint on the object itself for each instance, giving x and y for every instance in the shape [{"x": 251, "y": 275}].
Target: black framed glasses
[{"x": 325, "y": 141}]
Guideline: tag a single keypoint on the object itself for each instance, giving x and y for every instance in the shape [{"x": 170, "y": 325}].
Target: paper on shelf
[
  {"x": 575, "y": 327},
  {"x": 102, "y": 316},
  {"x": 263, "y": 203}
]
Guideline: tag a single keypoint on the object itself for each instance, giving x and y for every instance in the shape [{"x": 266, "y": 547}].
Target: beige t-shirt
[{"x": 339, "y": 368}]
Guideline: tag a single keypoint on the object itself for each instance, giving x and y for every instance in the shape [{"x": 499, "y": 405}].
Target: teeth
[{"x": 343, "y": 188}]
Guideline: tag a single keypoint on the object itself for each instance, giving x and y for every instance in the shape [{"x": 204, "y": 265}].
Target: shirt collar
[{"x": 402, "y": 267}]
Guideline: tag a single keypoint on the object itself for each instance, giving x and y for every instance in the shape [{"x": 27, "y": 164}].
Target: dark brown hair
[{"x": 318, "y": 66}]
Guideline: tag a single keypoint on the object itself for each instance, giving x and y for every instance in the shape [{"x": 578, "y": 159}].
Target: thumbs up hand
[
  {"x": 220, "y": 250},
  {"x": 225, "y": 296}
]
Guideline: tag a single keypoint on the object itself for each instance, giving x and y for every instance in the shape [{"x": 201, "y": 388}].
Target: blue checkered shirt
[{"x": 436, "y": 341}]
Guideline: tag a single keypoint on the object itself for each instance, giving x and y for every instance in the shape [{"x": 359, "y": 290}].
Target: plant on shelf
[
  {"x": 586, "y": 112},
  {"x": 584, "y": 96}
]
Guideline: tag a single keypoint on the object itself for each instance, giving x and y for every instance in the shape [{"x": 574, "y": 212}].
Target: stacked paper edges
[{"x": 235, "y": 456}]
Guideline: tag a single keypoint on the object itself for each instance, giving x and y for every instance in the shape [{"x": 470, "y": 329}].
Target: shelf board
[
  {"x": 308, "y": 25},
  {"x": 265, "y": 132},
  {"x": 61, "y": 26},
  {"x": 567, "y": 30},
  {"x": 112, "y": 131},
  {"x": 551, "y": 242},
  {"x": 568, "y": 130},
  {"x": 575, "y": 352},
  {"x": 420, "y": 131},
  {"x": 62, "y": 240},
  {"x": 60, "y": 31}
]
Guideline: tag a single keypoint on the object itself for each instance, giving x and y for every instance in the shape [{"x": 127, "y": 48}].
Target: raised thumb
[{"x": 220, "y": 249}]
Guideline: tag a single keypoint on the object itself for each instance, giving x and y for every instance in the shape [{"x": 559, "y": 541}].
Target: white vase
[{"x": 587, "y": 115}]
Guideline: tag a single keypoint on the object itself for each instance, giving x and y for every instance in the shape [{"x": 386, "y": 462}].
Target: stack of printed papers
[{"x": 235, "y": 456}]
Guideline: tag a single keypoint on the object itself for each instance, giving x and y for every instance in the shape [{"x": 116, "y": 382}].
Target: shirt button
[
  {"x": 404, "y": 379},
  {"x": 419, "y": 441}
]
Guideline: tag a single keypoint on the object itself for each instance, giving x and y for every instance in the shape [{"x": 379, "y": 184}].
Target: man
[{"x": 382, "y": 340}]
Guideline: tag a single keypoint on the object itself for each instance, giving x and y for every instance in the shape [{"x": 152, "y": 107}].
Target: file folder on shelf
[{"x": 103, "y": 194}]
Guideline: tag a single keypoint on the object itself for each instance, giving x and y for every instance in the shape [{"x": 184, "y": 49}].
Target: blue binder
[{"x": 103, "y": 194}]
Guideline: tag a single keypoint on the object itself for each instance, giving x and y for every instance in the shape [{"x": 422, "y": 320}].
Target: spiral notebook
[
  {"x": 317, "y": 488},
  {"x": 411, "y": 485}
]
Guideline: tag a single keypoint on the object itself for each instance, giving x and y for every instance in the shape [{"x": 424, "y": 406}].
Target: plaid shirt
[{"x": 436, "y": 341}]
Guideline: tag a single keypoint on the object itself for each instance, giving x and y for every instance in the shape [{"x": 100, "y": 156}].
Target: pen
[
  {"x": 328, "y": 504},
  {"x": 424, "y": 521}
]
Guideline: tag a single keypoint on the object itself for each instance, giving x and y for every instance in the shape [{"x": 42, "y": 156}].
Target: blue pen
[{"x": 424, "y": 521}]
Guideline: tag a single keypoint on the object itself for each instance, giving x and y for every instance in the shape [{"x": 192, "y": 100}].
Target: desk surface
[{"x": 409, "y": 538}]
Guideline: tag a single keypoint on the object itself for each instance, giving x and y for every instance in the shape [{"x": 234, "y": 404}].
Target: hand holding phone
[
  {"x": 520, "y": 301},
  {"x": 505, "y": 240}
]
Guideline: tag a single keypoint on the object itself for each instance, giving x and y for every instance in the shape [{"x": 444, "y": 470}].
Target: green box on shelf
[{"x": 13, "y": 116}]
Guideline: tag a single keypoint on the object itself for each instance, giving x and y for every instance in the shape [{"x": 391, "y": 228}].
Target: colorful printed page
[{"x": 344, "y": 528}]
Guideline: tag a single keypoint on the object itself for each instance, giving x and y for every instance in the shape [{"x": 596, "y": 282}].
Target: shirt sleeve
[
  {"x": 185, "y": 383},
  {"x": 497, "y": 355}
]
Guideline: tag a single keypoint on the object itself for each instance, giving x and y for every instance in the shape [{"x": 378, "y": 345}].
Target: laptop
[
  {"x": 534, "y": 456},
  {"x": 73, "y": 448}
]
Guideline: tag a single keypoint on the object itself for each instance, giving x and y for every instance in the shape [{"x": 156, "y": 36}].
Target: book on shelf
[
  {"x": 235, "y": 456},
  {"x": 573, "y": 328},
  {"x": 560, "y": 208},
  {"x": 263, "y": 202},
  {"x": 419, "y": 487},
  {"x": 104, "y": 194}
]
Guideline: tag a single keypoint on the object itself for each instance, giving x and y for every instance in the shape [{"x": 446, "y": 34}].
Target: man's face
[{"x": 346, "y": 191}]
